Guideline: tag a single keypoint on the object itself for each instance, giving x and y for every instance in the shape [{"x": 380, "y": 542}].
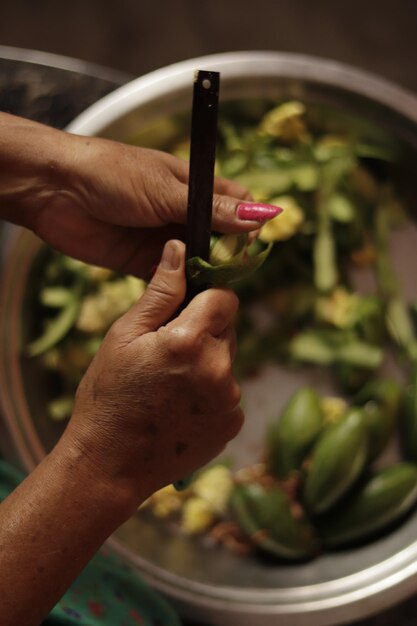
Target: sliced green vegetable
[
  {"x": 409, "y": 418},
  {"x": 360, "y": 354},
  {"x": 381, "y": 401},
  {"x": 326, "y": 348},
  {"x": 311, "y": 347},
  {"x": 61, "y": 408},
  {"x": 224, "y": 247},
  {"x": 383, "y": 500},
  {"x": 266, "y": 182},
  {"x": 306, "y": 176},
  {"x": 337, "y": 461},
  {"x": 400, "y": 327},
  {"x": 237, "y": 268},
  {"x": 57, "y": 328},
  {"x": 291, "y": 437},
  {"x": 56, "y": 297},
  {"x": 324, "y": 253},
  {"x": 398, "y": 317},
  {"x": 341, "y": 208},
  {"x": 266, "y": 516}
]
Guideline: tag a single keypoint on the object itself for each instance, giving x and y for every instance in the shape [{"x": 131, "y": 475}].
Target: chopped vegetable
[
  {"x": 197, "y": 516},
  {"x": 101, "y": 309},
  {"x": 285, "y": 225},
  {"x": 214, "y": 486}
]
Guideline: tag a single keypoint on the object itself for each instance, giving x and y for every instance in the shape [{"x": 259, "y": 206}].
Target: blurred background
[{"x": 136, "y": 36}]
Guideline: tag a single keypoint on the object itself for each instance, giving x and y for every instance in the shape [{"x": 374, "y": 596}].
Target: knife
[{"x": 201, "y": 180}]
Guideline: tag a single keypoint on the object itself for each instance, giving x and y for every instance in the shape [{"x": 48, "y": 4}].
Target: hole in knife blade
[{"x": 206, "y": 83}]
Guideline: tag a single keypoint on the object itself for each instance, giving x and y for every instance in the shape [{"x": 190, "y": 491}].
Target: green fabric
[{"x": 107, "y": 592}]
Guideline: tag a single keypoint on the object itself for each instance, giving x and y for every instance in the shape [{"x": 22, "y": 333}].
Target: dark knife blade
[{"x": 202, "y": 158}]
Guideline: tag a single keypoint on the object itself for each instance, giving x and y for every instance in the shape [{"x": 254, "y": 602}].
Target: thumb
[{"x": 164, "y": 293}]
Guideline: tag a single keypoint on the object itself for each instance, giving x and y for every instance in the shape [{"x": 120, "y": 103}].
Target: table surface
[{"x": 54, "y": 90}]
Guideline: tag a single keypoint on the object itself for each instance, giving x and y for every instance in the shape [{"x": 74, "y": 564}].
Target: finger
[
  {"x": 231, "y": 215},
  {"x": 227, "y": 187},
  {"x": 223, "y": 186},
  {"x": 164, "y": 294},
  {"x": 230, "y": 396},
  {"x": 140, "y": 251},
  {"x": 209, "y": 312},
  {"x": 234, "y": 422}
]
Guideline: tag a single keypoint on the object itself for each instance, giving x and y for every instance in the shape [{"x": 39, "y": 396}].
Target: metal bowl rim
[{"x": 243, "y": 65}]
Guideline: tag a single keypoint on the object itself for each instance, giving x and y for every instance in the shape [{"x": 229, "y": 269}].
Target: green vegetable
[
  {"x": 400, "y": 326},
  {"x": 291, "y": 437},
  {"x": 311, "y": 347},
  {"x": 360, "y": 354},
  {"x": 61, "y": 408},
  {"x": 238, "y": 267},
  {"x": 384, "y": 499},
  {"x": 109, "y": 302},
  {"x": 326, "y": 348},
  {"x": 409, "y": 418},
  {"x": 225, "y": 247},
  {"x": 336, "y": 462},
  {"x": 398, "y": 317},
  {"x": 266, "y": 516},
  {"x": 56, "y": 297},
  {"x": 56, "y": 329},
  {"x": 350, "y": 378},
  {"x": 324, "y": 255},
  {"x": 381, "y": 400},
  {"x": 341, "y": 208}
]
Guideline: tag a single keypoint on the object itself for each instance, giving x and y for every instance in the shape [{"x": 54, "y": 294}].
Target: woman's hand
[
  {"x": 104, "y": 202},
  {"x": 160, "y": 400}
]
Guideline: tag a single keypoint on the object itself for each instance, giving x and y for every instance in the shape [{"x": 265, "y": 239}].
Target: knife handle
[{"x": 192, "y": 291}]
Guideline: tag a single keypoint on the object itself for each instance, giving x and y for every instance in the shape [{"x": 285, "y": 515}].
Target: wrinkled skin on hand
[
  {"x": 131, "y": 201},
  {"x": 159, "y": 400},
  {"x": 102, "y": 201}
]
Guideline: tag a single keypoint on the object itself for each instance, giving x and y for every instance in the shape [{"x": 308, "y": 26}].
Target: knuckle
[
  {"x": 182, "y": 341},
  {"x": 235, "y": 395},
  {"x": 222, "y": 205},
  {"x": 161, "y": 290},
  {"x": 222, "y": 304},
  {"x": 235, "y": 422},
  {"x": 173, "y": 194},
  {"x": 239, "y": 191},
  {"x": 116, "y": 331},
  {"x": 222, "y": 372},
  {"x": 232, "y": 397},
  {"x": 222, "y": 296}
]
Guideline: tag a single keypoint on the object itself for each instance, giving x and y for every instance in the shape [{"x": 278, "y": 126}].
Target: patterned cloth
[{"x": 107, "y": 592}]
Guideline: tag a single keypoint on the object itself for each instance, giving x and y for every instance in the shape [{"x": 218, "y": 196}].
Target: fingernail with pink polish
[{"x": 257, "y": 212}]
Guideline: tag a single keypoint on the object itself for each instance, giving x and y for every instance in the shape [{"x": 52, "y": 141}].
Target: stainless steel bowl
[{"x": 205, "y": 583}]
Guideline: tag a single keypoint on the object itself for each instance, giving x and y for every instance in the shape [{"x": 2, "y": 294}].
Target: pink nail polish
[{"x": 257, "y": 212}]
